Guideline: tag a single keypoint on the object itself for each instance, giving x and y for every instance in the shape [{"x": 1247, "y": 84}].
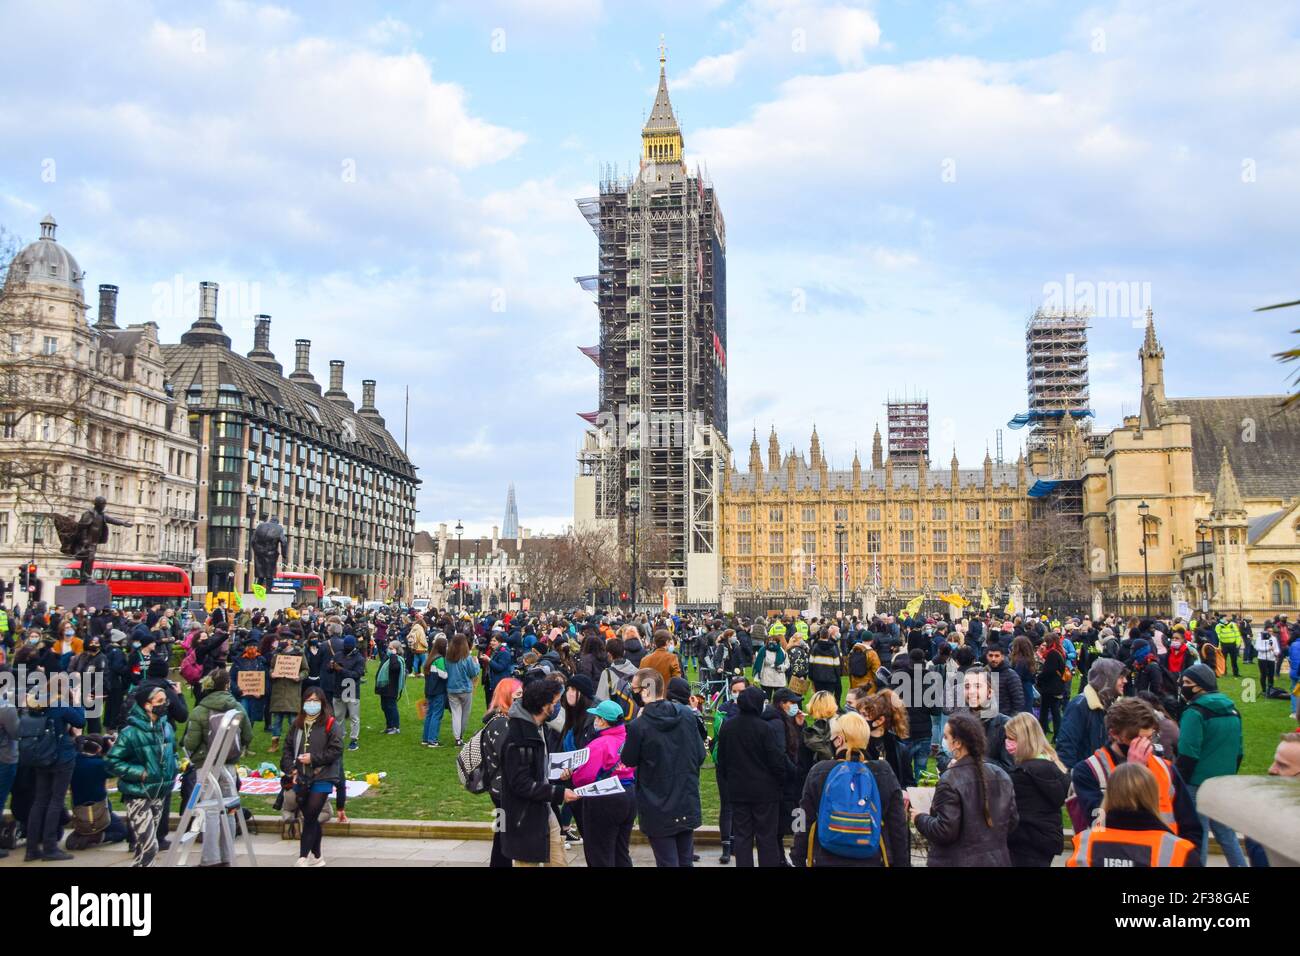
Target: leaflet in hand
[
  {"x": 601, "y": 788},
  {"x": 570, "y": 761},
  {"x": 920, "y": 798}
]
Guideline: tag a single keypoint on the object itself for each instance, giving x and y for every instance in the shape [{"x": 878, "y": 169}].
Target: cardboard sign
[
  {"x": 253, "y": 683},
  {"x": 286, "y": 665}
]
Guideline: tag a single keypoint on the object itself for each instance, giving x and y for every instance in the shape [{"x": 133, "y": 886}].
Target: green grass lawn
[{"x": 422, "y": 782}]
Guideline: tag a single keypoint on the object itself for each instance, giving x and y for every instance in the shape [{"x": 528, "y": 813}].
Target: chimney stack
[
  {"x": 107, "y": 316},
  {"x": 301, "y": 373},
  {"x": 262, "y": 354},
  {"x": 367, "y": 409},
  {"x": 206, "y": 330},
  {"x": 336, "y": 393}
]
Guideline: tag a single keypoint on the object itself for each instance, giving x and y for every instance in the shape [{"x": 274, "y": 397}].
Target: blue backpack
[{"x": 849, "y": 818}]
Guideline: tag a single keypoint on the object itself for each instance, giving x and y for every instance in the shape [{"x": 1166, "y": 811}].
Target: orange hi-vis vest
[
  {"x": 1129, "y": 848},
  {"x": 1102, "y": 764}
]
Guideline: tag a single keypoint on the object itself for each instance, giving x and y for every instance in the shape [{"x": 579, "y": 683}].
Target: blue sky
[{"x": 902, "y": 183}]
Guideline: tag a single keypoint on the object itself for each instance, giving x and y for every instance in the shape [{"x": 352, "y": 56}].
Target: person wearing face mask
[
  {"x": 770, "y": 661},
  {"x": 1131, "y": 727},
  {"x": 312, "y": 757},
  {"x": 1209, "y": 745},
  {"x": 1041, "y": 786},
  {"x": 664, "y": 660},
  {"x": 495, "y": 723},
  {"x": 607, "y": 821},
  {"x": 1083, "y": 727},
  {"x": 752, "y": 765},
  {"x": 664, "y": 746},
  {"x": 1131, "y": 832},
  {"x": 218, "y": 849},
  {"x": 1180, "y": 655},
  {"x": 144, "y": 761},
  {"x": 531, "y": 831},
  {"x": 286, "y": 692},
  {"x": 850, "y": 737},
  {"x": 92, "y": 665}
]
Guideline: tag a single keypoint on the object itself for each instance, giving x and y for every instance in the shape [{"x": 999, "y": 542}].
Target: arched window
[{"x": 1283, "y": 590}]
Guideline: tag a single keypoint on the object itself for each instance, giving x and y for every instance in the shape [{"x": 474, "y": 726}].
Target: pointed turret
[
  {"x": 1152, "y": 356},
  {"x": 857, "y": 471},
  {"x": 1227, "y": 497},
  {"x": 755, "y": 459},
  {"x": 773, "y": 451},
  {"x": 877, "y": 451},
  {"x": 661, "y": 137}
]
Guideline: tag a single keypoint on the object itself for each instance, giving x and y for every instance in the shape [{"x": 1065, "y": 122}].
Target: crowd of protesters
[{"x": 834, "y": 741}]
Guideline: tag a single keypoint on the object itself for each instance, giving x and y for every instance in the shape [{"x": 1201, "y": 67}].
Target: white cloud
[{"x": 711, "y": 71}]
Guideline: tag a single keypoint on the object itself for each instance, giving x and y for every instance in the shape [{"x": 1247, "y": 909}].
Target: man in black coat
[
  {"x": 752, "y": 766},
  {"x": 663, "y": 744},
  {"x": 530, "y": 834},
  {"x": 1010, "y": 688}
]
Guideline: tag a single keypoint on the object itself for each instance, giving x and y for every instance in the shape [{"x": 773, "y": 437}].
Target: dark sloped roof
[
  {"x": 210, "y": 366},
  {"x": 423, "y": 543},
  {"x": 1267, "y": 466}
]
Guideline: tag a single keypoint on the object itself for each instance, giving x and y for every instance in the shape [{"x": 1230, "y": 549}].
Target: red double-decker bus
[
  {"x": 137, "y": 585},
  {"x": 306, "y": 588}
]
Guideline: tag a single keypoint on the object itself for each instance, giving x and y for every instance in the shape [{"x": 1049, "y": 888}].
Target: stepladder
[{"x": 214, "y": 808}]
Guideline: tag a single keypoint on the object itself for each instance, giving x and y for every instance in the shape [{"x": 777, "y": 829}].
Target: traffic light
[
  {"x": 512, "y": 595},
  {"x": 22, "y": 577}
]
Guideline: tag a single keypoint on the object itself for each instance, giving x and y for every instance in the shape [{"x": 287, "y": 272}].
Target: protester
[
  {"x": 531, "y": 830},
  {"x": 218, "y": 843},
  {"x": 1083, "y": 728},
  {"x": 607, "y": 821},
  {"x": 390, "y": 684},
  {"x": 311, "y": 758},
  {"x": 751, "y": 768},
  {"x": 1041, "y": 784},
  {"x": 974, "y": 806},
  {"x": 664, "y": 748},
  {"x": 495, "y": 724},
  {"x": 286, "y": 692},
  {"x": 1209, "y": 745},
  {"x": 878, "y": 834},
  {"x": 435, "y": 692},
  {"x": 143, "y": 759},
  {"x": 462, "y": 670}
]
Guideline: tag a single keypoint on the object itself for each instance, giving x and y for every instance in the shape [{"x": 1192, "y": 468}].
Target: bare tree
[{"x": 1050, "y": 554}]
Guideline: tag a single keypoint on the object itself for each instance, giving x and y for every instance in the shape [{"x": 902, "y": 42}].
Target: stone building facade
[
  {"x": 905, "y": 527},
  {"x": 1221, "y": 490},
  {"x": 86, "y": 411}
]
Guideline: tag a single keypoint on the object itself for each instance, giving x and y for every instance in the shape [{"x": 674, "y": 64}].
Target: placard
[
  {"x": 252, "y": 683},
  {"x": 287, "y": 665}
]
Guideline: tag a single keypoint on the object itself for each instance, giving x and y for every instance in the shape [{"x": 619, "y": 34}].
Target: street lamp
[
  {"x": 839, "y": 545},
  {"x": 634, "y": 508},
  {"x": 460, "y": 579},
  {"x": 1203, "y": 533},
  {"x": 1144, "y": 512}
]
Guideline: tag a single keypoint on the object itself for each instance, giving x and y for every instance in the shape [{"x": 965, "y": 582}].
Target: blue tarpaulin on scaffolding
[
  {"x": 1024, "y": 418},
  {"x": 1043, "y": 487}
]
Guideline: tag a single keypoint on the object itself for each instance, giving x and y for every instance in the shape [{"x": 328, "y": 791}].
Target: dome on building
[{"x": 47, "y": 262}]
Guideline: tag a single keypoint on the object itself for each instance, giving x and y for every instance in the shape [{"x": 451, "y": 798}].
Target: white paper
[
  {"x": 601, "y": 788},
  {"x": 568, "y": 761},
  {"x": 920, "y": 798}
]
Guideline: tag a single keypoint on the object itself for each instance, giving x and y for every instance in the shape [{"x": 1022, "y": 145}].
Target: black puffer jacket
[
  {"x": 663, "y": 744},
  {"x": 1040, "y": 787},
  {"x": 956, "y": 827}
]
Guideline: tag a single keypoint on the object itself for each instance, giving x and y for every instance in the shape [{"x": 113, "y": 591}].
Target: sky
[{"x": 903, "y": 183}]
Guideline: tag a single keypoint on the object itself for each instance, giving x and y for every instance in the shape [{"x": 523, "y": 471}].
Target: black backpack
[
  {"x": 858, "y": 663},
  {"x": 38, "y": 743}
]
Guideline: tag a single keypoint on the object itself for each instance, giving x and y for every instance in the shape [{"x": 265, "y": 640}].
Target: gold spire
[{"x": 661, "y": 138}]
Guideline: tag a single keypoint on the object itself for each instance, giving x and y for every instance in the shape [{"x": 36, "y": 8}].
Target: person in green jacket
[
  {"x": 1209, "y": 745},
  {"x": 144, "y": 761},
  {"x": 1229, "y": 634},
  {"x": 218, "y": 841}
]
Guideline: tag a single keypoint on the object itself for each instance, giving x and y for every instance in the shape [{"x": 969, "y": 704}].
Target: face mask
[
  {"x": 1011, "y": 746},
  {"x": 792, "y": 709},
  {"x": 69, "y": 634},
  {"x": 1187, "y": 692},
  {"x": 311, "y": 708},
  {"x": 94, "y": 648},
  {"x": 1175, "y": 644},
  {"x": 555, "y": 711},
  {"x": 135, "y": 644}
]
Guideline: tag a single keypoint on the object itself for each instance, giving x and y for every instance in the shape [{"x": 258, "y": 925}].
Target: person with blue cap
[{"x": 607, "y": 820}]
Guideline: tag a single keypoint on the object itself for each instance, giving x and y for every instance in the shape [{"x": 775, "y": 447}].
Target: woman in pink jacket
[{"x": 607, "y": 820}]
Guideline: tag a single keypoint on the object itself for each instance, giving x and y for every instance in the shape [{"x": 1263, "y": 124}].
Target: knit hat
[
  {"x": 583, "y": 685},
  {"x": 679, "y": 690},
  {"x": 1202, "y": 675},
  {"x": 350, "y": 642}
]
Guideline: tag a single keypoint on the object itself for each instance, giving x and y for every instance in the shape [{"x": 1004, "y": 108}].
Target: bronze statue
[
  {"x": 270, "y": 541},
  {"x": 80, "y": 538}
]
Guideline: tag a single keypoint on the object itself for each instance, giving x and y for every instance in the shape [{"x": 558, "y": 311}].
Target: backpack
[
  {"x": 850, "y": 822},
  {"x": 470, "y": 765},
  {"x": 858, "y": 663},
  {"x": 798, "y": 661},
  {"x": 38, "y": 744},
  {"x": 620, "y": 692},
  {"x": 191, "y": 669}
]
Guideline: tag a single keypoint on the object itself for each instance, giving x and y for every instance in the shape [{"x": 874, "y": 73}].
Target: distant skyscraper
[
  {"x": 659, "y": 445},
  {"x": 510, "y": 527}
]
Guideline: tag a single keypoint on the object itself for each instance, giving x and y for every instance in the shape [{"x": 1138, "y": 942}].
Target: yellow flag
[
  {"x": 984, "y": 599},
  {"x": 913, "y": 606},
  {"x": 955, "y": 599},
  {"x": 1011, "y": 606}
]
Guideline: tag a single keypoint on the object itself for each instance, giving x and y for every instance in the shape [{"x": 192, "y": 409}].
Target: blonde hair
[
  {"x": 822, "y": 706},
  {"x": 1132, "y": 787},
  {"x": 854, "y": 729},
  {"x": 1031, "y": 742}
]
